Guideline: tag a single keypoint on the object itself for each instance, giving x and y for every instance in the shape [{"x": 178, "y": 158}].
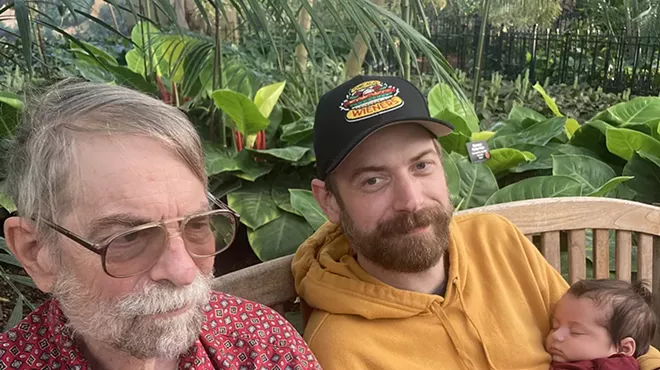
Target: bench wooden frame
[{"x": 541, "y": 220}]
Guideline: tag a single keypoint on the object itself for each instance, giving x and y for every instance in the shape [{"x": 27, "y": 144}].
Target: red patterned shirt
[{"x": 237, "y": 335}]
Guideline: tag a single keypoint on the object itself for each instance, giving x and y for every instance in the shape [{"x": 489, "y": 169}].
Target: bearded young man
[
  {"x": 394, "y": 280},
  {"x": 115, "y": 221}
]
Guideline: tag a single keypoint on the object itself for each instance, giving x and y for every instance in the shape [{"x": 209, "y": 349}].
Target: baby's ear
[{"x": 627, "y": 346}]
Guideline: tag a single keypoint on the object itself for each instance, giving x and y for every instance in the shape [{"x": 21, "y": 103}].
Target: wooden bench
[{"x": 547, "y": 222}]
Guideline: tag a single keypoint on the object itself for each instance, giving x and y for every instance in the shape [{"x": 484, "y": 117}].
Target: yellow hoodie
[{"x": 495, "y": 313}]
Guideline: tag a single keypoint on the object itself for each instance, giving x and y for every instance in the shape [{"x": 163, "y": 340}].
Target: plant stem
[
  {"x": 485, "y": 9},
  {"x": 217, "y": 75},
  {"x": 405, "y": 55}
]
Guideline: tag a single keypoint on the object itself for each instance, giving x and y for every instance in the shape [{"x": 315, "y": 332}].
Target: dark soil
[{"x": 238, "y": 256}]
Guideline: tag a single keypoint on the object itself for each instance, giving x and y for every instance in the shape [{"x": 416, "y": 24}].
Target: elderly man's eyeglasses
[{"x": 137, "y": 249}]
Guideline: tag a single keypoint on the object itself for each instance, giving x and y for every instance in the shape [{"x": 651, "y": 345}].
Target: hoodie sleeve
[{"x": 650, "y": 361}]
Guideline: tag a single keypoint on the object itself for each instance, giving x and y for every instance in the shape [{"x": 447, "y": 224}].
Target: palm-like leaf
[{"x": 275, "y": 21}]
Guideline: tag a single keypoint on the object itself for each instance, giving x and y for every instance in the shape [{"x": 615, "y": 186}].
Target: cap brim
[{"x": 435, "y": 126}]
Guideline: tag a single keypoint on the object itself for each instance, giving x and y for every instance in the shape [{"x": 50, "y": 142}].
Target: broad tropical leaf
[
  {"x": 519, "y": 114},
  {"x": 539, "y": 133},
  {"x": 241, "y": 110},
  {"x": 298, "y": 131},
  {"x": 624, "y": 143},
  {"x": 639, "y": 110},
  {"x": 454, "y": 142},
  {"x": 477, "y": 183},
  {"x": 441, "y": 98},
  {"x": 267, "y": 97},
  {"x": 591, "y": 136},
  {"x": 249, "y": 169},
  {"x": 501, "y": 160},
  {"x": 304, "y": 203},
  {"x": 646, "y": 170},
  {"x": 610, "y": 186},
  {"x": 460, "y": 126},
  {"x": 219, "y": 160},
  {"x": 280, "y": 237},
  {"x": 289, "y": 153},
  {"x": 452, "y": 175},
  {"x": 590, "y": 172},
  {"x": 254, "y": 203},
  {"x": 280, "y": 190},
  {"x": 537, "y": 187}
]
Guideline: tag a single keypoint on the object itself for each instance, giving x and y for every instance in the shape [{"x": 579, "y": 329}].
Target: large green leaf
[
  {"x": 219, "y": 160},
  {"x": 280, "y": 190},
  {"x": 477, "y": 183},
  {"x": 457, "y": 121},
  {"x": 591, "y": 136},
  {"x": 502, "y": 159},
  {"x": 280, "y": 237},
  {"x": 304, "y": 203},
  {"x": 590, "y": 172},
  {"x": 519, "y": 114},
  {"x": 539, "y": 133},
  {"x": 254, "y": 204},
  {"x": 454, "y": 142},
  {"x": 549, "y": 101},
  {"x": 441, "y": 97},
  {"x": 290, "y": 153},
  {"x": 639, "y": 110},
  {"x": 537, "y": 187},
  {"x": 267, "y": 97},
  {"x": 452, "y": 175},
  {"x": 610, "y": 186},
  {"x": 241, "y": 110},
  {"x": 646, "y": 170},
  {"x": 249, "y": 169},
  {"x": 297, "y": 131},
  {"x": 135, "y": 61},
  {"x": 542, "y": 153},
  {"x": 624, "y": 143}
]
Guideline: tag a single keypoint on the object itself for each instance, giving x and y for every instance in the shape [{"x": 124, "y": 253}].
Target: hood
[{"x": 328, "y": 277}]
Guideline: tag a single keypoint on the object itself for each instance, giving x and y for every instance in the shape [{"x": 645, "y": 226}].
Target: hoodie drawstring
[{"x": 481, "y": 339}]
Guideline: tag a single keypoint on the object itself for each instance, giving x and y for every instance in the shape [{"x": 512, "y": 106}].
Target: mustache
[
  {"x": 165, "y": 297},
  {"x": 404, "y": 223}
]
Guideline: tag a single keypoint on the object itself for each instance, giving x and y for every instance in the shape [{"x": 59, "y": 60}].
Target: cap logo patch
[{"x": 369, "y": 99}]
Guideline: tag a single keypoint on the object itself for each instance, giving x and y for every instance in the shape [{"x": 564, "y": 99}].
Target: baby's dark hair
[{"x": 630, "y": 311}]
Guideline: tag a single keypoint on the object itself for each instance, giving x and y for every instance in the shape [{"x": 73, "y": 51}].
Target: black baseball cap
[{"x": 349, "y": 113}]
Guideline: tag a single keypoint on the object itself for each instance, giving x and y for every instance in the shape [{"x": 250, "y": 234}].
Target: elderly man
[
  {"x": 115, "y": 221},
  {"x": 396, "y": 282}
]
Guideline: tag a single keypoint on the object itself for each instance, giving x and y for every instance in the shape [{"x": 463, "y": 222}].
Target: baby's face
[{"x": 576, "y": 333}]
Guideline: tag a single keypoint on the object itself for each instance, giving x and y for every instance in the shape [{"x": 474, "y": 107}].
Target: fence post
[{"x": 532, "y": 62}]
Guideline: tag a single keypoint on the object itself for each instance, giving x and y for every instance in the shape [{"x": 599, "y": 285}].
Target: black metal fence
[{"x": 567, "y": 53}]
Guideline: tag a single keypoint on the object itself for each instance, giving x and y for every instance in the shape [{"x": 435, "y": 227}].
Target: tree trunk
[
  {"x": 180, "y": 12},
  {"x": 305, "y": 21},
  {"x": 358, "y": 53}
]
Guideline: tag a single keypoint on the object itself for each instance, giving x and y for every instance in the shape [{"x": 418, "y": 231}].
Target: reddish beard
[{"x": 392, "y": 245}]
